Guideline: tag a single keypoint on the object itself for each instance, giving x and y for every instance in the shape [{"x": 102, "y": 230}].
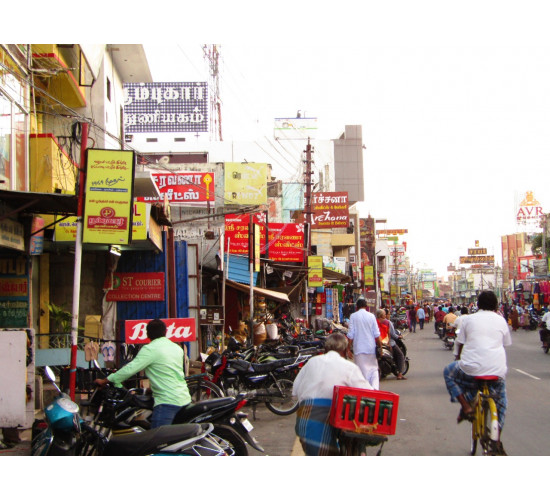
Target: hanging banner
[
  {"x": 36, "y": 244},
  {"x": 368, "y": 275},
  {"x": 109, "y": 196},
  {"x": 245, "y": 183},
  {"x": 183, "y": 188},
  {"x": 329, "y": 210}
]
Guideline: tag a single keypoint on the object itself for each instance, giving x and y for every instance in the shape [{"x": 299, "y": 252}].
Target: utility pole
[{"x": 307, "y": 217}]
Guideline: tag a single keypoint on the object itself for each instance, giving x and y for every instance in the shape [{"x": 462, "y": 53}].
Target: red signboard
[
  {"x": 135, "y": 286},
  {"x": 177, "y": 330},
  {"x": 330, "y": 210},
  {"x": 286, "y": 240},
  {"x": 189, "y": 188}
]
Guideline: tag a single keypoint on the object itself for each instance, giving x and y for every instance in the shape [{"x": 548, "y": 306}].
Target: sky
[{"x": 453, "y": 98}]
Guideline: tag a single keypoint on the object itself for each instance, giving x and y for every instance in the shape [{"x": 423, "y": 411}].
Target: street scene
[{"x": 316, "y": 249}]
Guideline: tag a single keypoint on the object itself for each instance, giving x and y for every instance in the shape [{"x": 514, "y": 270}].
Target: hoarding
[
  {"x": 109, "y": 196},
  {"x": 135, "y": 287},
  {"x": 183, "y": 188},
  {"x": 329, "y": 210},
  {"x": 245, "y": 183},
  {"x": 315, "y": 271},
  {"x": 166, "y": 107},
  {"x": 177, "y": 330}
]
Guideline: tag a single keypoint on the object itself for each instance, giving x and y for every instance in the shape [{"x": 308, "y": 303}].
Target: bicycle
[{"x": 485, "y": 426}]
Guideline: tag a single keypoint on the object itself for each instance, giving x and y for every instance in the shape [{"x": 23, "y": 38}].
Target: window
[{"x": 108, "y": 90}]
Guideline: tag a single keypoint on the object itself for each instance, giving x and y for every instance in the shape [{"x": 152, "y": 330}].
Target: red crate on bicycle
[{"x": 364, "y": 411}]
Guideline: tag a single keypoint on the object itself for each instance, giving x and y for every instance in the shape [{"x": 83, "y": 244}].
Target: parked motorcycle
[
  {"x": 66, "y": 433},
  {"x": 270, "y": 383},
  {"x": 386, "y": 362}
]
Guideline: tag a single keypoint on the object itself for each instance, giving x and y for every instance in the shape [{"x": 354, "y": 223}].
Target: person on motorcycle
[
  {"x": 481, "y": 343},
  {"x": 545, "y": 331},
  {"x": 398, "y": 357},
  {"x": 450, "y": 318},
  {"x": 163, "y": 362},
  {"x": 439, "y": 316},
  {"x": 314, "y": 388}
]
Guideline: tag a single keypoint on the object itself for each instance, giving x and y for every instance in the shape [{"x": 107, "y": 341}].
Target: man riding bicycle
[{"x": 481, "y": 341}]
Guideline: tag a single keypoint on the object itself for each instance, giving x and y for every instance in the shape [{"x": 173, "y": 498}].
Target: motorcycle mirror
[{"x": 51, "y": 375}]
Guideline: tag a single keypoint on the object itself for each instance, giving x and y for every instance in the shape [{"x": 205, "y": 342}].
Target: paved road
[{"x": 427, "y": 419}]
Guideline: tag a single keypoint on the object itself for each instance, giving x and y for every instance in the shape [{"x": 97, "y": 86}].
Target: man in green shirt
[{"x": 163, "y": 362}]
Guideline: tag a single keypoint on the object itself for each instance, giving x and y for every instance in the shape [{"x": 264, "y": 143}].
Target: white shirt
[
  {"x": 321, "y": 373},
  {"x": 484, "y": 335},
  {"x": 546, "y": 320},
  {"x": 363, "y": 329}
]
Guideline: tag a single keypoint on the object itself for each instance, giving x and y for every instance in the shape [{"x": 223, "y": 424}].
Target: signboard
[
  {"x": 109, "y": 196},
  {"x": 177, "y": 330},
  {"x": 315, "y": 271},
  {"x": 12, "y": 235},
  {"x": 384, "y": 232},
  {"x": 166, "y": 107},
  {"x": 295, "y": 128},
  {"x": 478, "y": 259},
  {"x": 286, "y": 240},
  {"x": 183, "y": 188},
  {"x": 477, "y": 251},
  {"x": 368, "y": 275},
  {"x": 529, "y": 212},
  {"x": 211, "y": 315},
  {"x": 14, "y": 292},
  {"x": 36, "y": 244},
  {"x": 245, "y": 184},
  {"x": 135, "y": 286},
  {"x": 329, "y": 210},
  {"x": 540, "y": 268}
]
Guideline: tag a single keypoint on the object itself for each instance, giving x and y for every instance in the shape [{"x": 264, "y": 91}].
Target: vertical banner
[
  {"x": 257, "y": 247},
  {"x": 315, "y": 271},
  {"x": 109, "y": 197},
  {"x": 368, "y": 272}
]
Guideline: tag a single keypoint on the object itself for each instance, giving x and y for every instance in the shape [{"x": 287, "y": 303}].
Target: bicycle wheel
[
  {"x": 473, "y": 439},
  {"x": 490, "y": 436},
  {"x": 285, "y": 404},
  {"x": 200, "y": 389}
]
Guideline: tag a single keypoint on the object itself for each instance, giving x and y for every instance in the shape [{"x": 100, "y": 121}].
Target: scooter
[{"x": 66, "y": 433}]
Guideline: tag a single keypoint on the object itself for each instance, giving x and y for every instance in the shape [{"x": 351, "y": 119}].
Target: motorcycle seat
[
  {"x": 149, "y": 442},
  {"x": 192, "y": 410}
]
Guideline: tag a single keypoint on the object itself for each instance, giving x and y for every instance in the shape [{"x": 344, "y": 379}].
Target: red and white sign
[
  {"x": 186, "y": 188},
  {"x": 135, "y": 286},
  {"x": 177, "y": 330},
  {"x": 330, "y": 210}
]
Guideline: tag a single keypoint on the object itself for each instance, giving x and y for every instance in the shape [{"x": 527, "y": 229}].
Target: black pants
[{"x": 399, "y": 359}]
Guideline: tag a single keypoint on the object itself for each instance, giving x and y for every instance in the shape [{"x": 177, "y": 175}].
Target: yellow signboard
[
  {"x": 368, "y": 273},
  {"x": 245, "y": 183},
  {"x": 315, "y": 271},
  {"x": 109, "y": 197}
]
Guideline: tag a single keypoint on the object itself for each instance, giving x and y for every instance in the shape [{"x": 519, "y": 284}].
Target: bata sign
[{"x": 177, "y": 330}]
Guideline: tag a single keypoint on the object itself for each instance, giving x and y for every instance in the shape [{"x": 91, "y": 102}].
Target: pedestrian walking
[
  {"x": 412, "y": 319},
  {"x": 365, "y": 338},
  {"x": 421, "y": 316}
]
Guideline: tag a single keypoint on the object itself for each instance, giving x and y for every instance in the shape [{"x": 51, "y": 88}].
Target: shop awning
[
  {"x": 27, "y": 202},
  {"x": 270, "y": 294},
  {"x": 331, "y": 275}
]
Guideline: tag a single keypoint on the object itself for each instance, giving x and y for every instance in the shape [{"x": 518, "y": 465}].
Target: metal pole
[{"x": 78, "y": 261}]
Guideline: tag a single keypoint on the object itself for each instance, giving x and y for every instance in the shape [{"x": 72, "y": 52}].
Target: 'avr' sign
[{"x": 177, "y": 330}]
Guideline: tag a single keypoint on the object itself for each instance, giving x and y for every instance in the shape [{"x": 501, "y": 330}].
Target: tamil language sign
[
  {"x": 477, "y": 251},
  {"x": 177, "y": 330},
  {"x": 14, "y": 292},
  {"x": 315, "y": 271},
  {"x": 285, "y": 240},
  {"x": 166, "y": 107},
  {"x": 478, "y": 259},
  {"x": 529, "y": 212},
  {"x": 245, "y": 184},
  {"x": 330, "y": 210},
  {"x": 135, "y": 287},
  {"x": 183, "y": 188},
  {"x": 387, "y": 232},
  {"x": 109, "y": 196}
]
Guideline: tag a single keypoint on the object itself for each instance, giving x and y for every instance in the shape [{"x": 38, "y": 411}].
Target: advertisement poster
[
  {"x": 109, "y": 197},
  {"x": 330, "y": 210},
  {"x": 315, "y": 271},
  {"x": 135, "y": 286},
  {"x": 14, "y": 292},
  {"x": 245, "y": 184},
  {"x": 183, "y": 188},
  {"x": 177, "y": 330}
]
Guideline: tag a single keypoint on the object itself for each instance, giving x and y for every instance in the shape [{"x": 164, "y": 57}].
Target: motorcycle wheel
[
  {"x": 546, "y": 349},
  {"x": 288, "y": 404},
  {"x": 229, "y": 440},
  {"x": 202, "y": 389},
  {"x": 405, "y": 367}
]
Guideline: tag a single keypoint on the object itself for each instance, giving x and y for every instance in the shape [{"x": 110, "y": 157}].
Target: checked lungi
[
  {"x": 458, "y": 382},
  {"x": 317, "y": 436}
]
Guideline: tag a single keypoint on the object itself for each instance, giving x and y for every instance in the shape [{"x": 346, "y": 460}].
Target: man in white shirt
[
  {"x": 545, "y": 332},
  {"x": 481, "y": 343},
  {"x": 314, "y": 388},
  {"x": 365, "y": 335}
]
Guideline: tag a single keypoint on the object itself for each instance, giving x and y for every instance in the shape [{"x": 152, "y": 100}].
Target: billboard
[
  {"x": 109, "y": 196},
  {"x": 166, "y": 107},
  {"x": 329, "y": 210},
  {"x": 183, "y": 188},
  {"x": 245, "y": 184}
]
